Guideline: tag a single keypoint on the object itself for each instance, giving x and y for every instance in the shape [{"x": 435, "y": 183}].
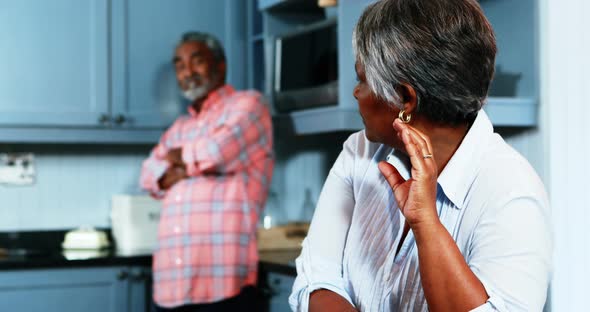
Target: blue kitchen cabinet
[
  {"x": 265, "y": 4},
  {"x": 284, "y": 17},
  {"x": 145, "y": 34},
  {"x": 514, "y": 95},
  {"x": 139, "y": 287},
  {"x": 54, "y": 60},
  {"x": 102, "y": 289},
  {"x": 280, "y": 287},
  {"x": 275, "y": 289},
  {"x": 100, "y": 71}
]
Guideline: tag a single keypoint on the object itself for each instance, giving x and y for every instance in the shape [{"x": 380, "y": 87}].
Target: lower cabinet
[
  {"x": 276, "y": 289},
  {"x": 105, "y": 289}
]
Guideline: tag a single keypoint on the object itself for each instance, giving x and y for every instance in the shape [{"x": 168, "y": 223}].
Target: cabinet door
[
  {"x": 145, "y": 35},
  {"x": 266, "y": 4},
  {"x": 140, "y": 289},
  {"x": 88, "y": 290},
  {"x": 54, "y": 60},
  {"x": 281, "y": 286}
]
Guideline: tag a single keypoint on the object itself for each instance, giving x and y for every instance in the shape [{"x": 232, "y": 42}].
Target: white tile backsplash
[{"x": 73, "y": 188}]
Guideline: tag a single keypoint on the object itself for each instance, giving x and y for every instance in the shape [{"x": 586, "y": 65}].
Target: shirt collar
[
  {"x": 212, "y": 98},
  {"x": 462, "y": 168}
]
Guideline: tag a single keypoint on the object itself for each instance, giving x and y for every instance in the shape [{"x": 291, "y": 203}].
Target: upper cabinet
[
  {"x": 101, "y": 70},
  {"x": 514, "y": 95},
  {"x": 513, "y": 98},
  {"x": 54, "y": 63},
  {"x": 145, "y": 33}
]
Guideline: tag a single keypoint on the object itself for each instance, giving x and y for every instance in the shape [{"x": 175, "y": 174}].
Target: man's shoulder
[
  {"x": 248, "y": 96},
  {"x": 250, "y": 101}
]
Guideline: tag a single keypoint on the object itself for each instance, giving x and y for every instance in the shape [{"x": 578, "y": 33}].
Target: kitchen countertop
[
  {"x": 59, "y": 259},
  {"x": 279, "y": 261},
  {"x": 38, "y": 250}
]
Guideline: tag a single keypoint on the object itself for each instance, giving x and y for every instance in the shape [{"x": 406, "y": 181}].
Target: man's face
[{"x": 197, "y": 71}]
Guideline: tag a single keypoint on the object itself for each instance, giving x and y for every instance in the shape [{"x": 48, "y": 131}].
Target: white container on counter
[{"x": 134, "y": 221}]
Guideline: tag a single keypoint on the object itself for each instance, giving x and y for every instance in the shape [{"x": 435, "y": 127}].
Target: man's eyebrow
[
  {"x": 196, "y": 54},
  {"x": 193, "y": 55}
]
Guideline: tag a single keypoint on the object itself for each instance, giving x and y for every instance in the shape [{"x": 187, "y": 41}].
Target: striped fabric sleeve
[
  {"x": 244, "y": 133},
  {"x": 511, "y": 261},
  {"x": 320, "y": 264}
]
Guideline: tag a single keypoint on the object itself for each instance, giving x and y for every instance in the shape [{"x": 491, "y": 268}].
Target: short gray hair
[
  {"x": 444, "y": 49},
  {"x": 209, "y": 40}
]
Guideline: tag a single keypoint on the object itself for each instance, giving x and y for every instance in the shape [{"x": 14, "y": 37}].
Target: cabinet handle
[
  {"x": 104, "y": 119},
  {"x": 268, "y": 292},
  {"x": 119, "y": 119},
  {"x": 141, "y": 276},
  {"x": 122, "y": 275}
]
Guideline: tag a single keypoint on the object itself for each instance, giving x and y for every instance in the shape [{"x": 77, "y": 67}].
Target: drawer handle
[
  {"x": 104, "y": 119},
  {"x": 120, "y": 119},
  {"x": 122, "y": 275}
]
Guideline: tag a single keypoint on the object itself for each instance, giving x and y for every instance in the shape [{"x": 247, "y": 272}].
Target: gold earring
[{"x": 405, "y": 119}]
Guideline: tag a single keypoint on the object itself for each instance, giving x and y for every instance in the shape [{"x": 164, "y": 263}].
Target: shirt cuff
[
  {"x": 321, "y": 275},
  {"x": 494, "y": 302},
  {"x": 158, "y": 172},
  {"x": 188, "y": 158}
]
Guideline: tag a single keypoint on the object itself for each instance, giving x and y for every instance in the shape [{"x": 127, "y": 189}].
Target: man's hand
[
  {"x": 174, "y": 157},
  {"x": 172, "y": 175}
]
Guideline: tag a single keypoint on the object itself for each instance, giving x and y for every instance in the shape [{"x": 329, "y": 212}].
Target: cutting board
[{"x": 282, "y": 237}]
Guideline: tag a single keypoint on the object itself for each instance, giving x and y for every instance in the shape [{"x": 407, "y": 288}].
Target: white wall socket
[{"x": 17, "y": 169}]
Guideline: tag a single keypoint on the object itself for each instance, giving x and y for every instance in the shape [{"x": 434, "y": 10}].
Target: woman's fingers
[
  {"x": 416, "y": 137},
  {"x": 418, "y": 148},
  {"x": 424, "y": 137},
  {"x": 422, "y": 145},
  {"x": 413, "y": 150},
  {"x": 391, "y": 174}
]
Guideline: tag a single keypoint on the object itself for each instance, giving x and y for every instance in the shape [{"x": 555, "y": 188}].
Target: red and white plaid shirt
[{"x": 207, "y": 234}]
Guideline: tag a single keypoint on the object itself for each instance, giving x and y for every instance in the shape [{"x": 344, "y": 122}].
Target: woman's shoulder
[
  {"x": 509, "y": 172},
  {"x": 357, "y": 156},
  {"x": 358, "y": 146}
]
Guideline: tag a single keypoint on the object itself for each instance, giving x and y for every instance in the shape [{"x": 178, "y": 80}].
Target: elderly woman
[{"x": 427, "y": 209}]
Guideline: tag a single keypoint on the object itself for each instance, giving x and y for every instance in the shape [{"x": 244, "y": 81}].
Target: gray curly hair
[
  {"x": 444, "y": 49},
  {"x": 209, "y": 40}
]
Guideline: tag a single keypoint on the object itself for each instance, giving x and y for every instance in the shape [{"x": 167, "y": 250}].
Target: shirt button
[
  {"x": 178, "y": 198},
  {"x": 178, "y": 261}
]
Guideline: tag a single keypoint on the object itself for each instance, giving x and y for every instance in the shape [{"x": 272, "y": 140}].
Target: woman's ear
[{"x": 408, "y": 97}]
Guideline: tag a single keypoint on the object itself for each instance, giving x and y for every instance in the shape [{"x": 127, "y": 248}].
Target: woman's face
[{"x": 377, "y": 115}]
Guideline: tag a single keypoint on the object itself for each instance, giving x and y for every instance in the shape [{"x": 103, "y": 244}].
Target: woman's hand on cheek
[{"x": 416, "y": 196}]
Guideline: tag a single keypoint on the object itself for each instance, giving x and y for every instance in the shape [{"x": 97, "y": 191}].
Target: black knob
[
  {"x": 122, "y": 275},
  {"x": 139, "y": 276},
  {"x": 119, "y": 119},
  {"x": 104, "y": 119}
]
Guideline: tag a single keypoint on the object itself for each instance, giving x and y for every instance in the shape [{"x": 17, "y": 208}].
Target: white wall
[{"x": 566, "y": 90}]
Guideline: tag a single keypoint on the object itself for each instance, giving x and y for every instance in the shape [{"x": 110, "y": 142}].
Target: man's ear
[
  {"x": 408, "y": 97},
  {"x": 222, "y": 68}
]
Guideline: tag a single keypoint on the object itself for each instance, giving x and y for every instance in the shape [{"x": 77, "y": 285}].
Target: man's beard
[
  {"x": 197, "y": 87},
  {"x": 193, "y": 93}
]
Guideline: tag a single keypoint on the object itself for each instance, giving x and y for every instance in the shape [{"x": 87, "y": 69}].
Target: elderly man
[{"x": 212, "y": 170}]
